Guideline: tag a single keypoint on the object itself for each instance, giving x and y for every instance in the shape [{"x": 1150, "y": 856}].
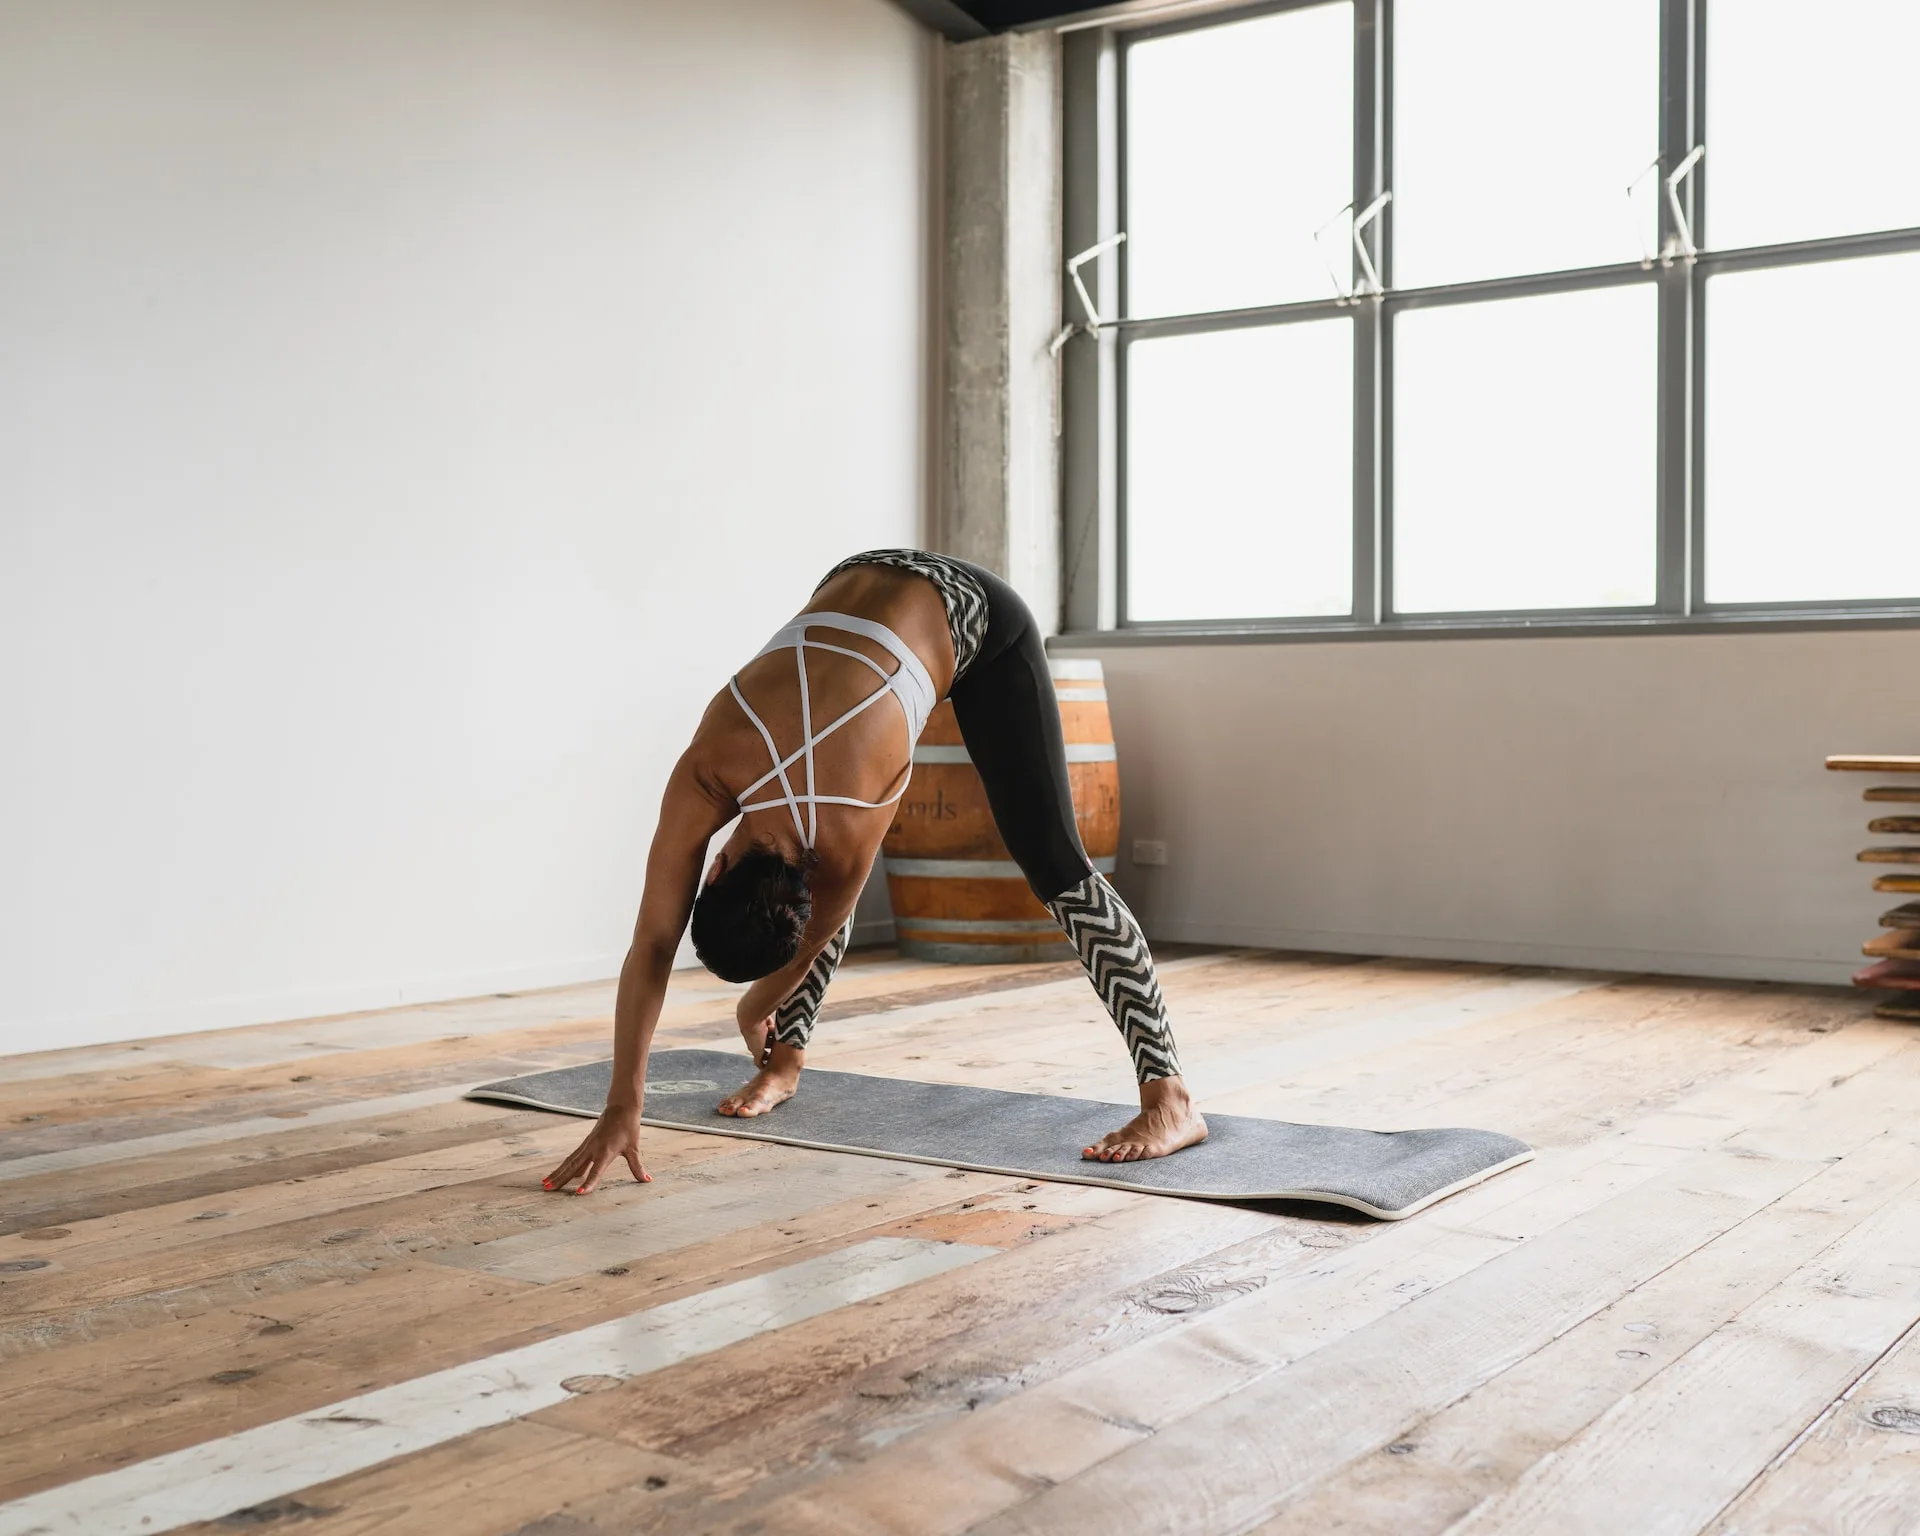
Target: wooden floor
[{"x": 283, "y": 1277}]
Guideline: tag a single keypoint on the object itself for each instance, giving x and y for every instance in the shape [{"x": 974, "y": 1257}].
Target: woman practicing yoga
[{"x": 814, "y": 801}]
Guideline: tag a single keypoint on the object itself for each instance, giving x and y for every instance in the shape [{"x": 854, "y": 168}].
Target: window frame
[{"x": 1094, "y": 371}]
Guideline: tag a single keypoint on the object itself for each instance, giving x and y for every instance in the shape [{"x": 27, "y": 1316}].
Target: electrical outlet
[{"x": 1146, "y": 851}]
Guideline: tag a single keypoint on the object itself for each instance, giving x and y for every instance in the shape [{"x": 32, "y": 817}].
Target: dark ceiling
[
  {"x": 997, "y": 15},
  {"x": 976, "y": 18}
]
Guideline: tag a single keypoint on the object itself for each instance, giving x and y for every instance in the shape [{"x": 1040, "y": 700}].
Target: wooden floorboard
[
  {"x": 1855, "y": 1471},
  {"x": 1436, "y": 1470},
  {"x": 1698, "y": 1310},
  {"x": 1671, "y": 1456}
]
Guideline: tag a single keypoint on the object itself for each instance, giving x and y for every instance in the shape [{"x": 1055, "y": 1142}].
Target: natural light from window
[
  {"x": 1518, "y": 127},
  {"x": 1812, "y": 421},
  {"x": 1240, "y": 148},
  {"x": 1565, "y": 398},
  {"x": 1524, "y": 453},
  {"x": 1813, "y": 119},
  {"x": 1239, "y": 474}
]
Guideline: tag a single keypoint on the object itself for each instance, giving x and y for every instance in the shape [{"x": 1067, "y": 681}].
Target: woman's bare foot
[
  {"x": 768, "y": 1088},
  {"x": 1167, "y": 1122}
]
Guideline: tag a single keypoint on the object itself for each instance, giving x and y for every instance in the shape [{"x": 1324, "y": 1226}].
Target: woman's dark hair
[{"x": 748, "y": 923}]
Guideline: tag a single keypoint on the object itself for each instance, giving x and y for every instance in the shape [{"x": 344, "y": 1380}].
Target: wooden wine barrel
[{"x": 957, "y": 894}]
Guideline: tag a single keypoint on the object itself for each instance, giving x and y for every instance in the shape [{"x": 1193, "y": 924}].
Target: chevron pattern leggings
[
  {"x": 1004, "y": 702},
  {"x": 1120, "y": 966},
  {"x": 793, "y": 1021},
  {"x": 1111, "y": 947}
]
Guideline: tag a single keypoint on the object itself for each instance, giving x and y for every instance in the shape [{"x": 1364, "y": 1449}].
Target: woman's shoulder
[{"x": 715, "y": 753}]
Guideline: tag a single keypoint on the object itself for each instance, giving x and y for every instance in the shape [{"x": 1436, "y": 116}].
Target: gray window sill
[{"x": 1284, "y": 632}]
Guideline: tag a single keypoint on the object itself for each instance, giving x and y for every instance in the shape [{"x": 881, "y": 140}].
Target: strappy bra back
[{"x": 911, "y": 684}]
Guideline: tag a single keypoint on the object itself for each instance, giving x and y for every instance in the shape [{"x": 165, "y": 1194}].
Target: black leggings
[{"x": 1010, "y": 720}]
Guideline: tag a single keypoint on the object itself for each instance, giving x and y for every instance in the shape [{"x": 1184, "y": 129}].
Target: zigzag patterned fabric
[
  {"x": 960, "y": 593},
  {"x": 794, "y": 1019},
  {"x": 1120, "y": 966}
]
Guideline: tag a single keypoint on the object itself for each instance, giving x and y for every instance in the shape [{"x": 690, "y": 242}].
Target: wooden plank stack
[{"x": 1895, "y": 950}]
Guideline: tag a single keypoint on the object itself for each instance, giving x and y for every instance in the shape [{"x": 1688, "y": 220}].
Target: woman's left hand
[{"x": 614, "y": 1138}]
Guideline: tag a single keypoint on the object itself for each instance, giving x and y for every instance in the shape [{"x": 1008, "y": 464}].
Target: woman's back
[{"x": 868, "y": 757}]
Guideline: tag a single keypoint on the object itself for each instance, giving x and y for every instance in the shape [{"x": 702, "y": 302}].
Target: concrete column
[{"x": 1000, "y": 485}]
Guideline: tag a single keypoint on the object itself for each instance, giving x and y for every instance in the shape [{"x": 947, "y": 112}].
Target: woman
[{"x": 809, "y": 746}]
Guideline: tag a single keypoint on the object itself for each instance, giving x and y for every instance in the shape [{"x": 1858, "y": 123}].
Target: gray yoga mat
[{"x": 1388, "y": 1174}]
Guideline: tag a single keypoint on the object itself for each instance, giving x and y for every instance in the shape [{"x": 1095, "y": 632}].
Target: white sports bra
[{"x": 911, "y": 684}]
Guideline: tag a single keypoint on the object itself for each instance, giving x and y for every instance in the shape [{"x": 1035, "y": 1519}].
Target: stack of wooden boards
[{"x": 1895, "y": 950}]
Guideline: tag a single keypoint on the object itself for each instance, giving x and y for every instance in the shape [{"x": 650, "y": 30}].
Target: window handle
[
  {"x": 1093, "y": 321},
  {"x": 1369, "y": 285},
  {"x": 1679, "y": 246},
  {"x": 1680, "y": 242}
]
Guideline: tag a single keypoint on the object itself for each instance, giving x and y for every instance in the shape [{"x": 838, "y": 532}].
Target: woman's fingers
[
  {"x": 594, "y": 1156},
  {"x": 576, "y": 1163}
]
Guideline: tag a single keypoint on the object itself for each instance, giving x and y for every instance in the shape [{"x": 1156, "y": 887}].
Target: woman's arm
[
  {"x": 833, "y": 902},
  {"x": 689, "y": 817}
]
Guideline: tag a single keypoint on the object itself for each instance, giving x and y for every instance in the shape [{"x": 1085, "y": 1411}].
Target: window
[
  {"x": 1524, "y": 453},
  {"x": 1242, "y": 442},
  {"x": 1516, "y": 126},
  {"x": 1812, "y": 417},
  {"x": 1811, "y": 116},
  {"x": 1467, "y": 311},
  {"x": 1240, "y": 146}
]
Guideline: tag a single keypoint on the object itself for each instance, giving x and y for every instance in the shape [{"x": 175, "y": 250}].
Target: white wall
[
  {"x": 410, "y": 410},
  {"x": 1632, "y": 802}
]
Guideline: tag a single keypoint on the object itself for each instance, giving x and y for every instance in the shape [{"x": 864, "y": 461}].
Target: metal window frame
[{"x": 1094, "y": 488}]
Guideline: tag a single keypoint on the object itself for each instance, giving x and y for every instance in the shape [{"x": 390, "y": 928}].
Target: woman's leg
[
  {"x": 1120, "y": 966},
  {"x": 794, "y": 1019},
  {"x": 1010, "y": 720}
]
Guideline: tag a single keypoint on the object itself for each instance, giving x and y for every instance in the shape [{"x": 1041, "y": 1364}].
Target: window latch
[
  {"x": 1093, "y": 320},
  {"x": 1369, "y": 285},
  {"x": 1679, "y": 245}
]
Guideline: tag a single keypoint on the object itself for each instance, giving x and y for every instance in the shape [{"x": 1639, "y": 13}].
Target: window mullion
[
  {"x": 1371, "y": 152},
  {"x": 1677, "y": 581},
  {"x": 1089, "y": 423}
]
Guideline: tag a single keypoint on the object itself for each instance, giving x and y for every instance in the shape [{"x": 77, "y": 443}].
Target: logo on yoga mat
[{"x": 683, "y": 1085}]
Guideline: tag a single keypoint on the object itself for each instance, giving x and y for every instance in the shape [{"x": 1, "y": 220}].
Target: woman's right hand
[
  {"x": 615, "y": 1135},
  {"x": 757, "y": 1031}
]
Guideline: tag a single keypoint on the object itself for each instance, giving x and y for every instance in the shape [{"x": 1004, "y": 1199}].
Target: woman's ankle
[
  {"x": 786, "y": 1060},
  {"x": 1165, "y": 1093}
]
